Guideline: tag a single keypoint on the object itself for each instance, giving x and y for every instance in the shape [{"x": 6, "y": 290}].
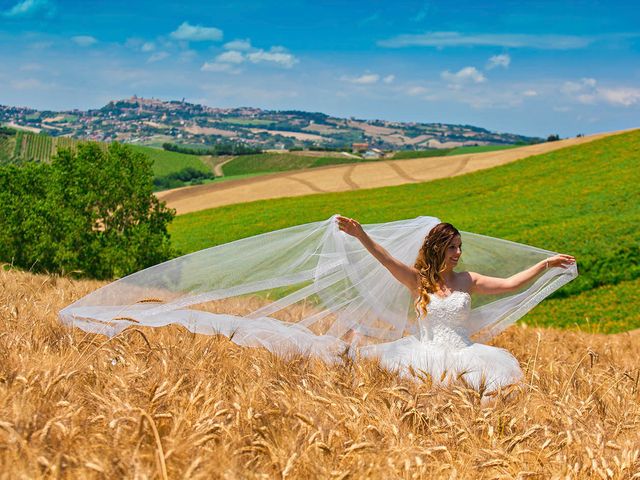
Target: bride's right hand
[{"x": 350, "y": 226}]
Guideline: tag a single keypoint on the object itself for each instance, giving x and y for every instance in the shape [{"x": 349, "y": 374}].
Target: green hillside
[
  {"x": 280, "y": 162},
  {"x": 581, "y": 200},
  {"x": 165, "y": 162}
]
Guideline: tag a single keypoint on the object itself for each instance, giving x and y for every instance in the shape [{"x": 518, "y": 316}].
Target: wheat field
[{"x": 165, "y": 403}]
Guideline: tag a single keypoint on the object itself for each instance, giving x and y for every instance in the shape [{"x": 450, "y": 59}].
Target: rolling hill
[{"x": 153, "y": 122}]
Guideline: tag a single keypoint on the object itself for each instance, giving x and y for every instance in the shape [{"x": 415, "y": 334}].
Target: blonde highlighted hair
[{"x": 431, "y": 262}]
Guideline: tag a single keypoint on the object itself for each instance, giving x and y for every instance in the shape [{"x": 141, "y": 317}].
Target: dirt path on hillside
[{"x": 339, "y": 178}]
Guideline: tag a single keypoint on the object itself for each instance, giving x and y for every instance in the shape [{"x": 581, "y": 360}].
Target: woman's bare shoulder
[{"x": 464, "y": 280}]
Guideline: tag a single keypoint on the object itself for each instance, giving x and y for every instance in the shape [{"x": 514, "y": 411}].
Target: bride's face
[{"x": 454, "y": 251}]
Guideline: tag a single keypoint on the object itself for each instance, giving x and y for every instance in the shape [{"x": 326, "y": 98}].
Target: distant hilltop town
[{"x": 150, "y": 121}]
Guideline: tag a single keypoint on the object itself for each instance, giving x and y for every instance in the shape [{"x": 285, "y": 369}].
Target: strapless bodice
[{"x": 446, "y": 320}]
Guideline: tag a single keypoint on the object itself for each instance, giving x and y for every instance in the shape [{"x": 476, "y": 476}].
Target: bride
[
  {"x": 324, "y": 287},
  {"x": 442, "y": 299}
]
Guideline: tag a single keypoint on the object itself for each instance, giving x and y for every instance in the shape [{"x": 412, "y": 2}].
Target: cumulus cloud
[
  {"x": 229, "y": 61},
  {"x": 513, "y": 40},
  {"x": 241, "y": 45},
  {"x": 389, "y": 79},
  {"x": 84, "y": 40},
  {"x": 231, "y": 56},
  {"x": 196, "y": 33},
  {"x": 529, "y": 93},
  {"x": 276, "y": 55},
  {"x": 464, "y": 75},
  {"x": 587, "y": 91},
  {"x": 30, "y": 8},
  {"x": 148, "y": 47},
  {"x": 621, "y": 96},
  {"x": 364, "y": 79},
  {"x": 502, "y": 60}
]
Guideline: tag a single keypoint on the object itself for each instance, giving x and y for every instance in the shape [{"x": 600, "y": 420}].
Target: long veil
[{"x": 309, "y": 288}]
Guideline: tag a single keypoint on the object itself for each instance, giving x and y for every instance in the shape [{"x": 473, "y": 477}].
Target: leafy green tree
[{"x": 90, "y": 211}]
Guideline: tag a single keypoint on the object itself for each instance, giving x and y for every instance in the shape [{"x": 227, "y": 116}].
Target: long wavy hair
[{"x": 431, "y": 262}]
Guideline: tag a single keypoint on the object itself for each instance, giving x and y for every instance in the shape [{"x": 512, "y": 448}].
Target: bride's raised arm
[
  {"x": 483, "y": 284},
  {"x": 405, "y": 274}
]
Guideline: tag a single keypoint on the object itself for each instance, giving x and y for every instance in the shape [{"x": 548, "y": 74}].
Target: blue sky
[{"x": 532, "y": 68}]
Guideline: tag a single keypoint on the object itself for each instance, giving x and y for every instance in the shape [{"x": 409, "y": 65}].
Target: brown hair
[{"x": 431, "y": 262}]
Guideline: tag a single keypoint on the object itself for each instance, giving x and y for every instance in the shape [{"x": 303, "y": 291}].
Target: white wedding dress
[
  {"x": 308, "y": 288},
  {"x": 445, "y": 351}
]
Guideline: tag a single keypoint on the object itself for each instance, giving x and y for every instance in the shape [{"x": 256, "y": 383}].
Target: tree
[
  {"x": 553, "y": 138},
  {"x": 92, "y": 212}
]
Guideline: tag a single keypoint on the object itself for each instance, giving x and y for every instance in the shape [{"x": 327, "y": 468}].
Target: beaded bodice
[{"x": 446, "y": 320}]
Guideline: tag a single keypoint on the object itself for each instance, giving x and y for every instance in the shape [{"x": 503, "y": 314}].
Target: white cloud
[
  {"x": 229, "y": 61},
  {"x": 226, "y": 62},
  {"x": 84, "y": 40},
  {"x": 30, "y": 8},
  {"x": 502, "y": 60},
  {"x": 220, "y": 67},
  {"x": 389, "y": 79},
  {"x": 416, "y": 90},
  {"x": 576, "y": 87},
  {"x": 588, "y": 92},
  {"x": 464, "y": 75},
  {"x": 276, "y": 55},
  {"x": 530, "y": 93},
  {"x": 148, "y": 47},
  {"x": 516, "y": 40},
  {"x": 240, "y": 44},
  {"x": 157, "y": 56},
  {"x": 364, "y": 79},
  {"x": 621, "y": 96},
  {"x": 196, "y": 33},
  {"x": 230, "y": 56}
]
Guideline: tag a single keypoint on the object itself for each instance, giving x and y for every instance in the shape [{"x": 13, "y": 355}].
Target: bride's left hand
[{"x": 560, "y": 260}]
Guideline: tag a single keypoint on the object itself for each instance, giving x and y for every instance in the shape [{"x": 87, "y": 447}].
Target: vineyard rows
[{"x": 33, "y": 147}]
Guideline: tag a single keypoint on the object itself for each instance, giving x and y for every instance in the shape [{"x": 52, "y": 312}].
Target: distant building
[
  {"x": 373, "y": 153},
  {"x": 359, "y": 147}
]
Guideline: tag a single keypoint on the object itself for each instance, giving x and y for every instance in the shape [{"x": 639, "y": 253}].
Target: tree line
[{"x": 217, "y": 149}]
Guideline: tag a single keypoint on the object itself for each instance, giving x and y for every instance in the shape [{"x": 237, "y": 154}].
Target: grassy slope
[
  {"x": 280, "y": 162},
  {"x": 581, "y": 200},
  {"x": 165, "y": 162}
]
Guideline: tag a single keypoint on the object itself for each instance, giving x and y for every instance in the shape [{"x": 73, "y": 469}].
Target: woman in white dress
[
  {"x": 442, "y": 299},
  {"x": 324, "y": 287}
]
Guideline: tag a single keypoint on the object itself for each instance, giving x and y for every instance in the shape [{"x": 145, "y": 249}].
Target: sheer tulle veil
[{"x": 309, "y": 288}]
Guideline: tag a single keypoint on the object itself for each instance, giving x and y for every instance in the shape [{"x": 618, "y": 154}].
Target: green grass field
[
  {"x": 281, "y": 162},
  {"x": 165, "y": 162},
  {"x": 407, "y": 154},
  {"x": 581, "y": 200}
]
